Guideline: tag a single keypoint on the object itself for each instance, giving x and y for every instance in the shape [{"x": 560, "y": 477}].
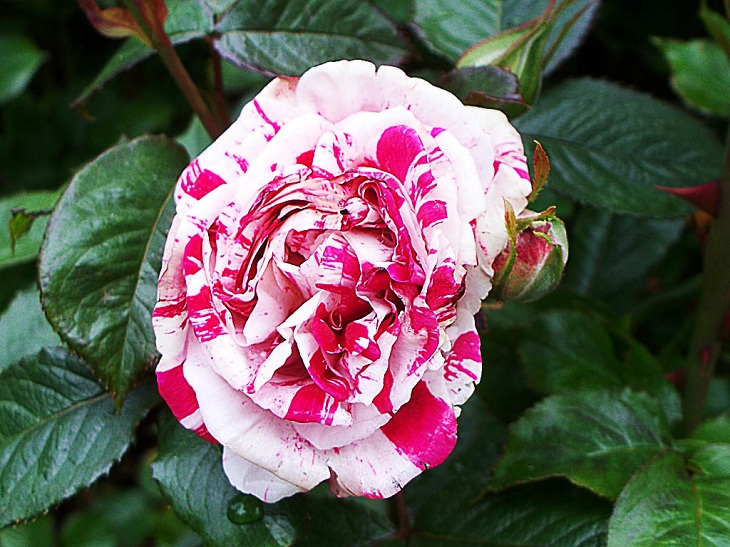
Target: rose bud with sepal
[{"x": 532, "y": 263}]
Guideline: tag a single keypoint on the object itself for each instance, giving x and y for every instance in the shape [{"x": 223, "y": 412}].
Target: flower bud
[{"x": 532, "y": 263}]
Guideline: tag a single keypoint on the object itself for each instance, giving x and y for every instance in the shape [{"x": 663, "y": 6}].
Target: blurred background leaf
[
  {"x": 21, "y": 60},
  {"x": 700, "y": 73}
]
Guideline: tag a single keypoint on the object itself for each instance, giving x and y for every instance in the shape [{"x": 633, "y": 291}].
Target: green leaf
[
  {"x": 400, "y": 11},
  {"x": 717, "y": 25},
  {"x": 284, "y": 37},
  {"x": 331, "y": 522},
  {"x": 27, "y": 244},
  {"x": 550, "y": 512},
  {"x": 718, "y": 397},
  {"x": 486, "y": 86},
  {"x": 21, "y": 60},
  {"x": 700, "y": 73},
  {"x": 715, "y": 430},
  {"x": 220, "y": 6},
  {"x": 452, "y": 27},
  {"x": 191, "y": 476},
  {"x": 186, "y": 21},
  {"x": 37, "y": 533},
  {"x": 610, "y": 147},
  {"x": 570, "y": 29},
  {"x": 611, "y": 255},
  {"x": 101, "y": 256},
  {"x": 670, "y": 502},
  {"x": 24, "y": 329},
  {"x": 59, "y": 431},
  {"x": 504, "y": 386},
  {"x": 195, "y": 139},
  {"x": 520, "y": 50},
  {"x": 596, "y": 439},
  {"x": 566, "y": 351},
  {"x": 21, "y": 221},
  {"x": 125, "y": 517}
]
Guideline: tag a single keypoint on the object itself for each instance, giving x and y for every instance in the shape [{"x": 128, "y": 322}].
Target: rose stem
[
  {"x": 161, "y": 43},
  {"x": 221, "y": 107},
  {"x": 399, "y": 515},
  {"x": 704, "y": 347}
]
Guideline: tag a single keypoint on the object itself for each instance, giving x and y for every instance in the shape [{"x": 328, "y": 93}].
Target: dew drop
[{"x": 244, "y": 509}]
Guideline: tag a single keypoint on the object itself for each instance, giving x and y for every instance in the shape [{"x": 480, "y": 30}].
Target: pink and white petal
[
  {"x": 506, "y": 140},
  {"x": 330, "y": 154},
  {"x": 235, "y": 164},
  {"x": 372, "y": 468},
  {"x": 296, "y": 137},
  {"x": 338, "y": 89},
  {"x": 470, "y": 202},
  {"x": 366, "y": 419},
  {"x": 370, "y": 375},
  {"x": 301, "y": 401},
  {"x": 181, "y": 399},
  {"x": 366, "y": 130},
  {"x": 274, "y": 304},
  {"x": 420, "y": 435},
  {"x": 230, "y": 155},
  {"x": 251, "y": 432},
  {"x": 463, "y": 367},
  {"x": 404, "y": 371},
  {"x": 252, "y": 479},
  {"x": 273, "y": 360},
  {"x": 200, "y": 216},
  {"x": 170, "y": 315},
  {"x": 276, "y": 104},
  {"x": 223, "y": 162},
  {"x": 226, "y": 356}
]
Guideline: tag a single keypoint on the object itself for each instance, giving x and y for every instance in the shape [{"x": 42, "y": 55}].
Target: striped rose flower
[{"x": 316, "y": 303}]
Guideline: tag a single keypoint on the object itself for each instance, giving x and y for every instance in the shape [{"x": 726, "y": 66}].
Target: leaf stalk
[{"x": 150, "y": 21}]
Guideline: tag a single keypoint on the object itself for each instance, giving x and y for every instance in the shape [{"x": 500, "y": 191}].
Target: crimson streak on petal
[{"x": 424, "y": 429}]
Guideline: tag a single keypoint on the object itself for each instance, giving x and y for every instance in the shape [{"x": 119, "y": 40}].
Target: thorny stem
[
  {"x": 162, "y": 44},
  {"x": 704, "y": 347}
]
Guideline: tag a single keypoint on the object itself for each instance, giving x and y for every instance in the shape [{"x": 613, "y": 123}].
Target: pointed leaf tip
[
  {"x": 705, "y": 196},
  {"x": 541, "y": 167},
  {"x": 115, "y": 22}
]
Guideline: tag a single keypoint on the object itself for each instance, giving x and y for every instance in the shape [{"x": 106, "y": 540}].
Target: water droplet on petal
[{"x": 245, "y": 509}]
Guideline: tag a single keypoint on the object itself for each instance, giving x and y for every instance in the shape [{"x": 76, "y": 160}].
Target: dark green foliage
[
  {"x": 59, "y": 431},
  {"x": 572, "y": 437},
  {"x": 102, "y": 254}
]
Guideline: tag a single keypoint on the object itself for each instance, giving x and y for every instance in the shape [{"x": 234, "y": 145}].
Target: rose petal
[
  {"x": 252, "y": 479},
  {"x": 420, "y": 435},
  {"x": 463, "y": 366},
  {"x": 249, "y": 431}
]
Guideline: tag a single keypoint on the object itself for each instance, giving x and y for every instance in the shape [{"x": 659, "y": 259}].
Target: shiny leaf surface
[
  {"x": 597, "y": 439},
  {"x": 101, "y": 256},
  {"x": 59, "y": 431},
  {"x": 610, "y": 147}
]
